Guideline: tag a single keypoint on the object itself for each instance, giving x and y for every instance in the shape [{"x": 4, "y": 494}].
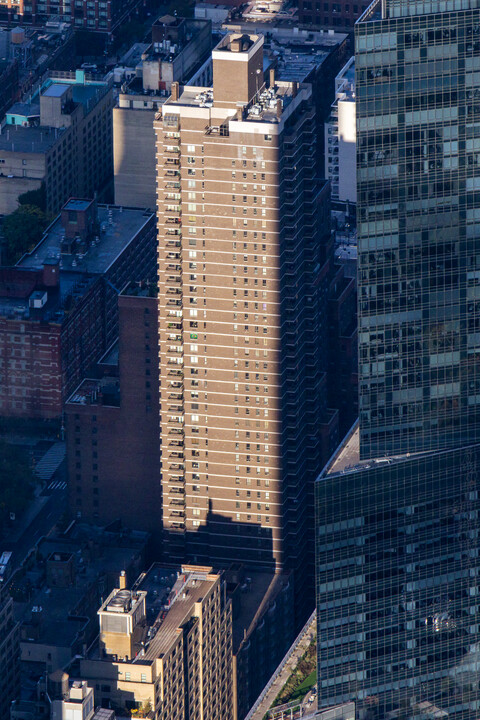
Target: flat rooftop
[
  {"x": 345, "y": 83},
  {"x": 261, "y": 590},
  {"x": 237, "y": 43},
  {"x": 118, "y": 227},
  {"x": 76, "y": 204},
  {"x": 171, "y": 596},
  {"x": 15, "y": 138},
  {"x": 298, "y": 66},
  {"x": 140, "y": 289},
  {"x": 105, "y": 392},
  {"x": 347, "y": 457},
  {"x": 110, "y": 358},
  {"x": 56, "y": 90},
  {"x": 52, "y": 606},
  {"x": 25, "y": 109},
  {"x": 264, "y": 110},
  {"x": 88, "y": 95},
  {"x": 372, "y": 13},
  {"x": 289, "y": 34},
  {"x": 133, "y": 56},
  {"x": 189, "y": 588},
  {"x": 297, "y": 55},
  {"x": 348, "y": 72}
]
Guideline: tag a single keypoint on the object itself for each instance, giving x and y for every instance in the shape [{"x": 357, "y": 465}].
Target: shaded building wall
[
  {"x": 88, "y": 15},
  {"x": 397, "y": 567},
  {"x": 134, "y": 157},
  {"x": 339, "y": 15},
  {"x": 30, "y": 368},
  {"x": 9, "y": 656},
  {"x": 113, "y": 452},
  {"x": 92, "y": 326},
  {"x": 343, "y": 354},
  {"x": 8, "y": 85},
  {"x": 264, "y": 645}
]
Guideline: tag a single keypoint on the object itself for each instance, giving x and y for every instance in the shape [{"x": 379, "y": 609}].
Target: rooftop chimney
[
  {"x": 175, "y": 91},
  {"x": 51, "y": 272},
  {"x": 122, "y": 581}
]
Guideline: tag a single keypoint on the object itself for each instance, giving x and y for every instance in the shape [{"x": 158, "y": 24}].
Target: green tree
[
  {"x": 36, "y": 197},
  {"x": 22, "y": 230}
]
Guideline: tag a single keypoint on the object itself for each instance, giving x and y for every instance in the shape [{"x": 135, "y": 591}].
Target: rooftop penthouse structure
[
  {"x": 60, "y": 136},
  {"x": 166, "y": 642}
]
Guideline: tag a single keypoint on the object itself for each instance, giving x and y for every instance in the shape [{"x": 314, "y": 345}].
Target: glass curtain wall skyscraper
[
  {"x": 397, "y": 585},
  {"x": 397, "y": 516},
  {"x": 418, "y": 155}
]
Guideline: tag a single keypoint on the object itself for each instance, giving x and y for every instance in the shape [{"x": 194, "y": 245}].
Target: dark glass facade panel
[
  {"x": 418, "y": 160},
  {"x": 397, "y": 587}
]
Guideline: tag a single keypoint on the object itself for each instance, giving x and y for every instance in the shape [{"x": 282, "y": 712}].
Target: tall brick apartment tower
[{"x": 242, "y": 392}]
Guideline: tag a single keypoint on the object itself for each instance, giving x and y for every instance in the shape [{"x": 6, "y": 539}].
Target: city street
[{"x": 43, "y": 514}]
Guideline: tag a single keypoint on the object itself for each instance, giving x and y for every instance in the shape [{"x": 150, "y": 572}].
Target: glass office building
[
  {"x": 418, "y": 159},
  {"x": 397, "y": 536},
  {"x": 397, "y": 584}
]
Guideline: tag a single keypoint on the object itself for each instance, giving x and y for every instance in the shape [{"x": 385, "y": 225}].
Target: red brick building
[
  {"x": 112, "y": 425},
  {"x": 58, "y": 306},
  {"x": 99, "y": 15},
  {"x": 340, "y": 15}
]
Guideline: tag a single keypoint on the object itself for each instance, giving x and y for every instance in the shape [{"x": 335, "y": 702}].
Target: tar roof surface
[
  {"x": 15, "y": 138},
  {"x": 347, "y": 458},
  {"x": 55, "y": 90},
  {"x": 126, "y": 223},
  {"x": 178, "y": 614}
]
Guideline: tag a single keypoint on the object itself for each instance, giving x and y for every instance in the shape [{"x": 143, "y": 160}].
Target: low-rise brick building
[
  {"x": 113, "y": 452},
  {"x": 58, "y": 305}
]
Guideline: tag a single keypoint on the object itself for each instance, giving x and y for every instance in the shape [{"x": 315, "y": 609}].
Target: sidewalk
[{"x": 27, "y": 518}]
